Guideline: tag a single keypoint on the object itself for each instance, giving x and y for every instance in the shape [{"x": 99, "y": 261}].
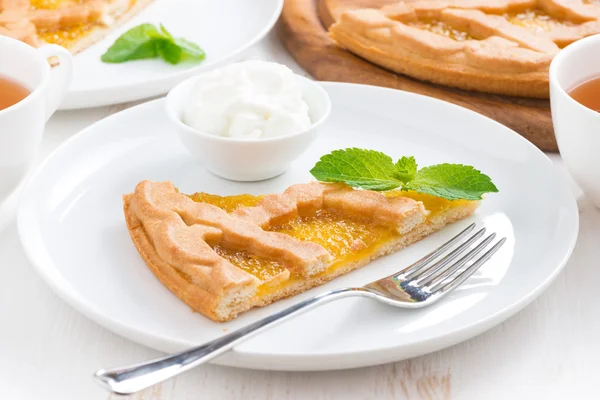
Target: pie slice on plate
[
  {"x": 494, "y": 46},
  {"x": 74, "y": 24},
  {"x": 224, "y": 255}
]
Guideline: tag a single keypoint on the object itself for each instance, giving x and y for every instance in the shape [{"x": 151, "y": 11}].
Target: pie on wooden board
[{"x": 494, "y": 46}]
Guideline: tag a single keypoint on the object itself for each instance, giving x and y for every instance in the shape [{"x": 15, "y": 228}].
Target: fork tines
[{"x": 433, "y": 276}]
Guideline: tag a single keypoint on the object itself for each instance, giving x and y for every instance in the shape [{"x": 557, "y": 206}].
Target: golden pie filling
[
  {"x": 346, "y": 239},
  {"x": 75, "y": 26},
  {"x": 46, "y": 4},
  {"x": 264, "y": 269},
  {"x": 63, "y": 35},
  {"x": 227, "y": 203},
  {"x": 441, "y": 28},
  {"x": 66, "y": 37},
  {"x": 535, "y": 20}
]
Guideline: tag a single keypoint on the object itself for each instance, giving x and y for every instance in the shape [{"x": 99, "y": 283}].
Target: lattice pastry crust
[
  {"x": 494, "y": 46},
  {"x": 74, "y": 24},
  {"x": 182, "y": 241}
]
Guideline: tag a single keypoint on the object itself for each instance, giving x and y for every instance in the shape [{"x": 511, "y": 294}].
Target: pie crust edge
[{"x": 529, "y": 84}]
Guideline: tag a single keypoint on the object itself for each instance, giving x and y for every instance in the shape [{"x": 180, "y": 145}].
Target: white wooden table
[{"x": 550, "y": 350}]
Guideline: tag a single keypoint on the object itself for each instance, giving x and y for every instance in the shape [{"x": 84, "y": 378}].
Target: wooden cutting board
[{"x": 302, "y": 30}]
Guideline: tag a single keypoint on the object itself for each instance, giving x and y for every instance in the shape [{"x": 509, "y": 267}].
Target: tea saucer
[
  {"x": 72, "y": 228},
  {"x": 224, "y": 36}
]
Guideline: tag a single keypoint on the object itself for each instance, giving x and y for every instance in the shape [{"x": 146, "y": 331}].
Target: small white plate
[
  {"x": 223, "y": 28},
  {"x": 72, "y": 228}
]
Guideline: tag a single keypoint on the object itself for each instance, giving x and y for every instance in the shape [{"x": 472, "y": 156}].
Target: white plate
[
  {"x": 223, "y": 28},
  {"x": 71, "y": 225}
]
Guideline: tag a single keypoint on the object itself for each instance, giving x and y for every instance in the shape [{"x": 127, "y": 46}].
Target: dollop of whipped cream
[{"x": 251, "y": 99}]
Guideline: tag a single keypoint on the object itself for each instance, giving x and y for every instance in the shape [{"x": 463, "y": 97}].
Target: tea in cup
[
  {"x": 30, "y": 92},
  {"x": 575, "y": 101}
]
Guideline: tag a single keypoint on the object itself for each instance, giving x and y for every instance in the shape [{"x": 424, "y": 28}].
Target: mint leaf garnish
[
  {"x": 135, "y": 44},
  {"x": 190, "y": 50},
  {"x": 452, "y": 182},
  {"x": 165, "y": 32},
  {"x": 373, "y": 170},
  {"x": 147, "y": 41},
  {"x": 169, "y": 52},
  {"x": 367, "y": 169},
  {"x": 406, "y": 168}
]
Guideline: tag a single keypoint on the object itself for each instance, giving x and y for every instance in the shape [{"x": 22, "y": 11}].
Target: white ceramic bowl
[
  {"x": 577, "y": 127},
  {"x": 248, "y": 159}
]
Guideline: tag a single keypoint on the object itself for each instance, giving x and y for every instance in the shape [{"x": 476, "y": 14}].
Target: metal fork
[{"x": 420, "y": 284}]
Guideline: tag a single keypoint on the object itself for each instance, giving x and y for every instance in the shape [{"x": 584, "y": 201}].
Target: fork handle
[{"x": 133, "y": 378}]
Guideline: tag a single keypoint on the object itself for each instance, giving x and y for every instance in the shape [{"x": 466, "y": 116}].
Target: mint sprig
[
  {"x": 148, "y": 41},
  {"x": 373, "y": 170},
  {"x": 367, "y": 169}
]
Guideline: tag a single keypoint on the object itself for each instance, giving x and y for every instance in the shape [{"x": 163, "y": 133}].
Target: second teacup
[{"x": 577, "y": 127}]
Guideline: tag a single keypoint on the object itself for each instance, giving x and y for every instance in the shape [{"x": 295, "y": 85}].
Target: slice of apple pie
[{"x": 224, "y": 255}]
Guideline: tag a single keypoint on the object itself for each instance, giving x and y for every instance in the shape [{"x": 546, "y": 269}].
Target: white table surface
[{"x": 549, "y": 350}]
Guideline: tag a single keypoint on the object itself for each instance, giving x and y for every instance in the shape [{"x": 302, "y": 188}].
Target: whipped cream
[{"x": 251, "y": 99}]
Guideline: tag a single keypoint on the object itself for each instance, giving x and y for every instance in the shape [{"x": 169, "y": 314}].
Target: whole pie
[
  {"x": 74, "y": 24},
  {"x": 224, "y": 255},
  {"x": 494, "y": 46}
]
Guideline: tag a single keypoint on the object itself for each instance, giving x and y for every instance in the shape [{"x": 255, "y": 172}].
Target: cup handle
[{"x": 60, "y": 76}]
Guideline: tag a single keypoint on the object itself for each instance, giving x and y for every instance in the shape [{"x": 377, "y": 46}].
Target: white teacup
[
  {"x": 22, "y": 124},
  {"x": 577, "y": 127}
]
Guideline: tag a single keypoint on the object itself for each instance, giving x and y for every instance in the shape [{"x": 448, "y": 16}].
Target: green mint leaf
[
  {"x": 367, "y": 169},
  {"x": 165, "y": 32},
  {"x": 452, "y": 182},
  {"x": 147, "y": 41},
  {"x": 169, "y": 51},
  {"x": 190, "y": 50},
  {"x": 159, "y": 33},
  {"x": 406, "y": 168},
  {"x": 135, "y": 44}
]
